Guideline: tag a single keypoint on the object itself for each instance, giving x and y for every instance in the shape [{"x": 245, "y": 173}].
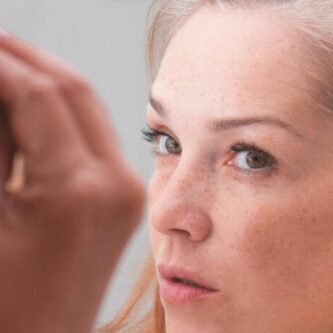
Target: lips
[
  {"x": 181, "y": 275},
  {"x": 181, "y": 286}
]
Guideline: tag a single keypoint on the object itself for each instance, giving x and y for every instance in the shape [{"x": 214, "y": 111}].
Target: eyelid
[
  {"x": 243, "y": 145},
  {"x": 151, "y": 135},
  {"x": 162, "y": 130},
  {"x": 255, "y": 174}
]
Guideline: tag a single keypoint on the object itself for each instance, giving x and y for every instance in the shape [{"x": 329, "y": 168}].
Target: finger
[
  {"x": 89, "y": 111},
  {"x": 41, "y": 122}
]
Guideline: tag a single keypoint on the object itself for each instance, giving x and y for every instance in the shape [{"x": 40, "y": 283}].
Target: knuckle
[
  {"x": 98, "y": 193},
  {"x": 42, "y": 86},
  {"x": 76, "y": 85},
  {"x": 87, "y": 186}
]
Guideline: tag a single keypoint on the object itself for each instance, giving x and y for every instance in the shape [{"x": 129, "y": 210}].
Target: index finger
[
  {"x": 88, "y": 110},
  {"x": 40, "y": 120}
]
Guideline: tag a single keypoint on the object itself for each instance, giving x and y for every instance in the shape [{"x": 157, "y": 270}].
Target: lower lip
[{"x": 177, "y": 293}]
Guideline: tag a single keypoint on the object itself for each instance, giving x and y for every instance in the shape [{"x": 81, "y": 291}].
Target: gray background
[{"x": 104, "y": 39}]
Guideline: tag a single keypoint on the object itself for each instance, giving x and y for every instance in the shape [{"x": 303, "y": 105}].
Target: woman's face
[{"x": 242, "y": 192}]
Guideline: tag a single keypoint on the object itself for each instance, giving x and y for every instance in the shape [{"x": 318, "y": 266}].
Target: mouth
[
  {"x": 186, "y": 282},
  {"x": 181, "y": 286}
]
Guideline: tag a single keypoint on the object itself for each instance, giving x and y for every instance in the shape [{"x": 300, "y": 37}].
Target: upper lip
[{"x": 170, "y": 272}]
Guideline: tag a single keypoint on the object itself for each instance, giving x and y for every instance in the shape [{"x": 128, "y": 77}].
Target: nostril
[{"x": 181, "y": 231}]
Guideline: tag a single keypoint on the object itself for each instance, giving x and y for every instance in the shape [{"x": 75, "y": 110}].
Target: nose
[{"x": 182, "y": 208}]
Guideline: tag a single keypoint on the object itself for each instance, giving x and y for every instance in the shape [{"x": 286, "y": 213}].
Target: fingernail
[{"x": 3, "y": 32}]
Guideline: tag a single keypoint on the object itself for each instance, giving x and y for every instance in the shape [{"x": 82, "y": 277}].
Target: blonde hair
[{"x": 313, "y": 19}]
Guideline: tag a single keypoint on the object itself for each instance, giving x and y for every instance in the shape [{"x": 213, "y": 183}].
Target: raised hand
[{"x": 63, "y": 230}]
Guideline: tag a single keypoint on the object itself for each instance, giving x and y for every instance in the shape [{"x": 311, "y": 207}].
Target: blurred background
[{"x": 104, "y": 39}]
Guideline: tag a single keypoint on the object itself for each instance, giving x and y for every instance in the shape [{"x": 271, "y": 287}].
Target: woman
[{"x": 240, "y": 200}]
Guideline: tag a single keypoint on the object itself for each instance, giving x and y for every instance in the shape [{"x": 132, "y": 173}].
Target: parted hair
[{"x": 312, "y": 20}]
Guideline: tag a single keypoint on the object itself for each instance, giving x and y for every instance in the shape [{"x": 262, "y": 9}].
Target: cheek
[{"x": 287, "y": 246}]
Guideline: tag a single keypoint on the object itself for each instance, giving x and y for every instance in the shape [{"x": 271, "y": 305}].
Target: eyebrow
[{"x": 217, "y": 125}]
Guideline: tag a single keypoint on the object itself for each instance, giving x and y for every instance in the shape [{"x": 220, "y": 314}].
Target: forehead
[{"x": 233, "y": 59}]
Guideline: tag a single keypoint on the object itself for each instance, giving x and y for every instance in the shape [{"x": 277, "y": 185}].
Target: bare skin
[
  {"x": 62, "y": 233},
  {"x": 262, "y": 236}
]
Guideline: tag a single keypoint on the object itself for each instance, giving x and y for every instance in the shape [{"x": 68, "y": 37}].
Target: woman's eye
[
  {"x": 246, "y": 156},
  {"x": 168, "y": 145},
  {"x": 250, "y": 158},
  {"x": 163, "y": 144}
]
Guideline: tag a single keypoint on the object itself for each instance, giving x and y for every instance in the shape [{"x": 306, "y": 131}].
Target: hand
[{"x": 62, "y": 232}]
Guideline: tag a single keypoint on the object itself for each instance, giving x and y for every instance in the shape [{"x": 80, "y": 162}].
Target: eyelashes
[
  {"x": 150, "y": 134},
  {"x": 164, "y": 144},
  {"x": 250, "y": 159},
  {"x": 248, "y": 156}
]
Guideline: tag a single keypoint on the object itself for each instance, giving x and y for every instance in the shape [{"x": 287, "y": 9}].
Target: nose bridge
[
  {"x": 191, "y": 178},
  {"x": 183, "y": 206}
]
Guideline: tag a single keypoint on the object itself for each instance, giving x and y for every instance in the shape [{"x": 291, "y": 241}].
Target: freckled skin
[{"x": 265, "y": 241}]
